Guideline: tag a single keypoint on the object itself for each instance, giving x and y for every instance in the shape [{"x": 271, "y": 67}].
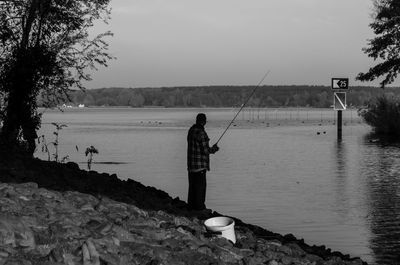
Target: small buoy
[
  {"x": 324, "y": 132},
  {"x": 318, "y": 133}
]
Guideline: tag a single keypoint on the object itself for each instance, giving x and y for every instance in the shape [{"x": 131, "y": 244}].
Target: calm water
[{"x": 281, "y": 169}]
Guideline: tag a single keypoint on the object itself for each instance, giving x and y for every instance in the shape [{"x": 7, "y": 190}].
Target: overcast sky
[{"x": 234, "y": 42}]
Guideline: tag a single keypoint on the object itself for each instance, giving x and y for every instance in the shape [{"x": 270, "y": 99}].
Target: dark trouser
[{"x": 197, "y": 190}]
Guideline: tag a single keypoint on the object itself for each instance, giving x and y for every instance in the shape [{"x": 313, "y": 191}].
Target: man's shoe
[{"x": 203, "y": 214}]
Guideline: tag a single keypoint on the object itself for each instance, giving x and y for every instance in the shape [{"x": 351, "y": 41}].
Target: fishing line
[{"x": 244, "y": 104}]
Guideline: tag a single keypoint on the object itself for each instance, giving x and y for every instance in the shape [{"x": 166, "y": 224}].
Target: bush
[{"x": 383, "y": 115}]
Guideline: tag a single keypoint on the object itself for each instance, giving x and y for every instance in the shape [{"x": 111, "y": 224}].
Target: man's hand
[{"x": 215, "y": 148}]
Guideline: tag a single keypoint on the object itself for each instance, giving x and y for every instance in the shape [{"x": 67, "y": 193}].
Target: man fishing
[{"x": 198, "y": 162}]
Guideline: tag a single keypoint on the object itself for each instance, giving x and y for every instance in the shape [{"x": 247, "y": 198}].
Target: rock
[
  {"x": 90, "y": 254},
  {"x": 286, "y": 250},
  {"x": 57, "y": 255},
  {"x": 227, "y": 256},
  {"x": 255, "y": 260},
  {"x": 182, "y": 221},
  {"x": 206, "y": 250},
  {"x": 246, "y": 252},
  {"x": 3, "y": 254},
  {"x": 44, "y": 250},
  {"x": 87, "y": 207},
  {"x": 313, "y": 258},
  {"x": 45, "y": 193},
  {"x": 10, "y": 206},
  {"x": 7, "y": 237},
  {"x": 23, "y": 198},
  {"x": 295, "y": 250},
  {"x": 273, "y": 255},
  {"x": 27, "y": 188},
  {"x": 273, "y": 262},
  {"x": 123, "y": 235},
  {"x": 287, "y": 260},
  {"x": 17, "y": 261},
  {"x": 334, "y": 261},
  {"x": 355, "y": 262},
  {"x": 69, "y": 259},
  {"x": 15, "y": 233},
  {"x": 72, "y": 165}
]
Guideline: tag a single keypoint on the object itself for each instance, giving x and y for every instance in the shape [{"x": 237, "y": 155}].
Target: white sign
[
  {"x": 340, "y": 83},
  {"x": 339, "y": 101}
]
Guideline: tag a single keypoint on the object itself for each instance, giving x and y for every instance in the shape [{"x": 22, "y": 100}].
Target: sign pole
[
  {"x": 339, "y": 125},
  {"x": 339, "y": 100}
]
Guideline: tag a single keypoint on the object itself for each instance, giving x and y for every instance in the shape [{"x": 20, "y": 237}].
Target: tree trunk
[{"x": 20, "y": 118}]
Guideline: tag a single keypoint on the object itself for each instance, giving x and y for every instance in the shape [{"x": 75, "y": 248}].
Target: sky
[{"x": 164, "y": 43}]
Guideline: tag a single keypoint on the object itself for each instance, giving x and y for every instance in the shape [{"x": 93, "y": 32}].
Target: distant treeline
[{"x": 223, "y": 96}]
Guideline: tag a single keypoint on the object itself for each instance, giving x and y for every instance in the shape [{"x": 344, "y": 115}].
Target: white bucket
[{"x": 222, "y": 224}]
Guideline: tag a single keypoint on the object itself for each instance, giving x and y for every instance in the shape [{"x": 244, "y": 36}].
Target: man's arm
[{"x": 204, "y": 141}]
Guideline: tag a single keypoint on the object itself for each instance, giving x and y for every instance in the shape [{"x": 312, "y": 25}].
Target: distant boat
[{"x": 81, "y": 105}]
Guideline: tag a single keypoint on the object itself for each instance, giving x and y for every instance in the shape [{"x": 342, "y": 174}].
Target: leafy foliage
[
  {"x": 90, "y": 151},
  {"x": 45, "y": 49},
  {"x": 55, "y": 143},
  {"x": 383, "y": 114},
  {"x": 386, "y": 45}
]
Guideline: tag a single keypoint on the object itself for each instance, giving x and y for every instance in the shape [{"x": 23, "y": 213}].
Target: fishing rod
[{"x": 247, "y": 100}]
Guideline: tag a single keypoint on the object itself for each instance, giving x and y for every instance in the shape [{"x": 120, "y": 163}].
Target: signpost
[
  {"x": 339, "y": 100},
  {"x": 339, "y": 86}
]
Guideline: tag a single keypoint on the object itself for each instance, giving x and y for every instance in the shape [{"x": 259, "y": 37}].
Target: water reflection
[
  {"x": 340, "y": 158},
  {"x": 381, "y": 170},
  {"x": 341, "y": 178}
]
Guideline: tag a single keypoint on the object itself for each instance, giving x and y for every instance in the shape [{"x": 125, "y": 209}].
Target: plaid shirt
[{"x": 198, "y": 151}]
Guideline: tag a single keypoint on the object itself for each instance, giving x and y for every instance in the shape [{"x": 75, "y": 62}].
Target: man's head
[{"x": 201, "y": 119}]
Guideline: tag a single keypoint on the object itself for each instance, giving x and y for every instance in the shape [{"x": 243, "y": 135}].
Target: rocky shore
[{"x": 52, "y": 213}]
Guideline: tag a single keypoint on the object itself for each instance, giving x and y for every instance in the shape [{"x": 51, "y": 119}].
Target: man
[{"x": 198, "y": 162}]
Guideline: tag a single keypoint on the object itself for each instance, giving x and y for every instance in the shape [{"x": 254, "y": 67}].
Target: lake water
[{"x": 282, "y": 169}]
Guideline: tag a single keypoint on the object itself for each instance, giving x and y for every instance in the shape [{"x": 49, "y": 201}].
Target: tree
[
  {"x": 45, "y": 49},
  {"x": 322, "y": 100},
  {"x": 88, "y": 100},
  {"x": 386, "y": 45},
  {"x": 137, "y": 100}
]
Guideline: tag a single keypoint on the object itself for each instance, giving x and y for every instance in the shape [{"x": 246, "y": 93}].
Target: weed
[
  {"x": 90, "y": 151},
  {"x": 55, "y": 143}
]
